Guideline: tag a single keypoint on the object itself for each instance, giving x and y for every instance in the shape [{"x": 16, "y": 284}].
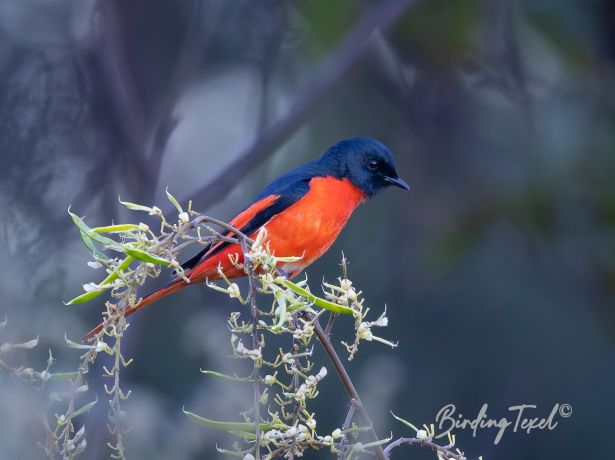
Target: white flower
[
  {"x": 252, "y": 354},
  {"x": 94, "y": 264},
  {"x": 322, "y": 373},
  {"x": 311, "y": 423},
  {"x": 91, "y": 287},
  {"x": 233, "y": 291},
  {"x": 248, "y": 457},
  {"x": 270, "y": 380},
  {"x": 383, "y": 321},
  {"x": 345, "y": 284},
  {"x": 102, "y": 346},
  {"x": 337, "y": 433},
  {"x": 271, "y": 435},
  {"x": 155, "y": 211},
  {"x": 421, "y": 435},
  {"x": 364, "y": 332},
  {"x": 184, "y": 217},
  {"x": 143, "y": 227}
]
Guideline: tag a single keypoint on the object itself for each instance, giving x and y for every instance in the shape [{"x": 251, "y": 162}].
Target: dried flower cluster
[
  {"x": 291, "y": 378},
  {"x": 285, "y": 381}
]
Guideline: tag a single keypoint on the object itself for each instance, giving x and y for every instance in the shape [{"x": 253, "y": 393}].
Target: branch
[
  {"x": 348, "y": 385},
  {"x": 329, "y": 74},
  {"x": 345, "y": 426},
  {"x": 254, "y": 319},
  {"x": 425, "y": 443}
]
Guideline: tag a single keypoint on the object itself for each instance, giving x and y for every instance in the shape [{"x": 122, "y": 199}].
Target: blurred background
[{"x": 498, "y": 267}]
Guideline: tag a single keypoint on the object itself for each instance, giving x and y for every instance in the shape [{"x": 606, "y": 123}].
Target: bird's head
[{"x": 366, "y": 162}]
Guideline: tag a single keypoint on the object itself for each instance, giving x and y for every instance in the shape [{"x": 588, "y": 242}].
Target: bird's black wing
[{"x": 289, "y": 189}]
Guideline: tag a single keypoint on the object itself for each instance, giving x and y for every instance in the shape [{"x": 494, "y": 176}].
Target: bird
[{"x": 303, "y": 211}]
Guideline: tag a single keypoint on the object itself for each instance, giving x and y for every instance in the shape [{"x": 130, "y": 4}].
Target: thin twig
[
  {"x": 348, "y": 385},
  {"x": 425, "y": 443},
  {"x": 255, "y": 344},
  {"x": 295, "y": 383},
  {"x": 329, "y": 326},
  {"x": 345, "y": 426}
]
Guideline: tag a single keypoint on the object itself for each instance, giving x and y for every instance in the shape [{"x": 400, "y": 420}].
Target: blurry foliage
[
  {"x": 327, "y": 22},
  {"x": 439, "y": 33}
]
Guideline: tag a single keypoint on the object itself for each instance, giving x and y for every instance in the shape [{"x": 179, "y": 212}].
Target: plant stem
[
  {"x": 348, "y": 385},
  {"x": 345, "y": 426},
  {"x": 254, "y": 318}
]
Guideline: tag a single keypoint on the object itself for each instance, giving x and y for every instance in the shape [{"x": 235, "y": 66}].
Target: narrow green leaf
[
  {"x": 136, "y": 207},
  {"x": 227, "y": 377},
  {"x": 227, "y": 426},
  {"x": 174, "y": 201},
  {"x": 108, "y": 280},
  {"x": 91, "y": 247},
  {"x": 85, "y": 408},
  {"x": 83, "y": 298},
  {"x": 145, "y": 256},
  {"x": 88, "y": 231},
  {"x": 319, "y": 302},
  {"x": 405, "y": 422},
  {"x": 61, "y": 376},
  {"x": 120, "y": 268},
  {"x": 116, "y": 228},
  {"x": 244, "y": 435}
]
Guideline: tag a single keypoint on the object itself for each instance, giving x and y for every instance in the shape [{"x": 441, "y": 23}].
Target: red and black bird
[{"x": 303, "y": 210}]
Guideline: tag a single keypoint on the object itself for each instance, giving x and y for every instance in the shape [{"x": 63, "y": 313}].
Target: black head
[{"x": 366, "y": 162}]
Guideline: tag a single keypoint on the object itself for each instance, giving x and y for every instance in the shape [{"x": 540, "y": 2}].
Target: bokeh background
[{"x": 498, "y": 267}]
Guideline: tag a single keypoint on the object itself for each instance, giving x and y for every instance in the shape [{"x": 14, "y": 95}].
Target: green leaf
[
  {"x": 88, "y": 231},
  {"x": 174, "y": 201},
  {"x": 91, "y": 247},
  {"x": 85, "y": 408},
  {"x": 405, "y": 422},
  {"x": 116, "y": 228},
  {"x": 322, "y": 303},
  {"x": 108, "y": 280},
  {"x": 227, "y": 426},
  {"x": 244, "y": 435},
  {"x": 227, "y": 377},
  {"x": 61, "y": 376},
  {"x": 136, "y": 207},
  {"x": 116, "y": 273},
  {"x": 145, "y": 256},
  {"x": 83, "y": 298}
]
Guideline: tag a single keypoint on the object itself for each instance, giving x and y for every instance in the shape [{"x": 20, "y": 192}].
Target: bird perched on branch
[{"x": 303, "y": 210}]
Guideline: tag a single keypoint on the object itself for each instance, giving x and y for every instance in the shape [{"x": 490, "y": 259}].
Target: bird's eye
[{"x": 373, "y": 165}]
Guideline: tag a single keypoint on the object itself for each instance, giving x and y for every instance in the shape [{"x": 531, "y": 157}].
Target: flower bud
[{"x": 421, "y": 435}]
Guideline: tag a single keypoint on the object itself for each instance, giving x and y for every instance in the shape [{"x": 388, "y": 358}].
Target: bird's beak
[{"x": 397, "y": 182}]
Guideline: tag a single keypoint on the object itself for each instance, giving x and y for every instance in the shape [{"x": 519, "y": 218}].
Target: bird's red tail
[{"x": 175, "y": 286}]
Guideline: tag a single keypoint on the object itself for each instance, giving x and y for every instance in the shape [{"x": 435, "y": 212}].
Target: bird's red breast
[{"x": 307, "y": 228}]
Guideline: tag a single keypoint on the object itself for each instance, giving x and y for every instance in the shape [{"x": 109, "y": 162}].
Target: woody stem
[{"x": 348, "y": 385}]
